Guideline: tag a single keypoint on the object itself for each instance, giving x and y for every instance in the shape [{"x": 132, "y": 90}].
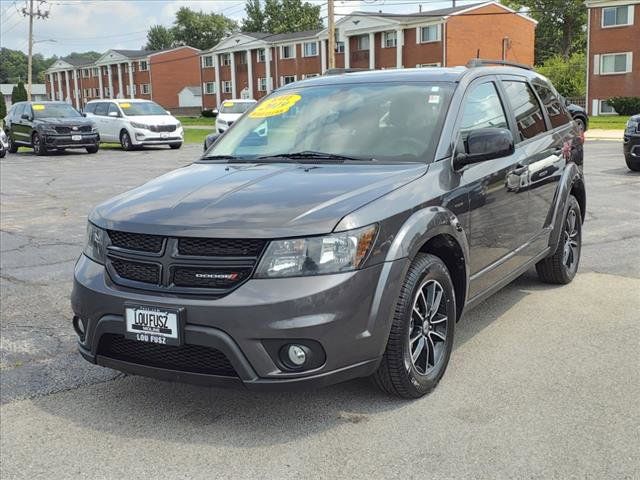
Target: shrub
[
  {"x": 625, "y": 105},
  {"x": 208, "y": 114},
  {"x": 19, "y": 93},
  {"x": 3, "y": 109}
]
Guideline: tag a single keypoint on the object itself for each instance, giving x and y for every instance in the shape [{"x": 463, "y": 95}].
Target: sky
[{"x": 81, "y": 25}]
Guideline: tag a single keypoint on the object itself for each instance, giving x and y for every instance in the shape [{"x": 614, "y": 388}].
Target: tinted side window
[
  {"x": 557, "y": 112},
  {"x": 526, "y": 108},
  {"x": 90, "y": 108},
  {"x": 113, "y": 108},
  {"x": 17, "y": 113},
  {"x": 101, "y": 108},
  {"x": 482, "y": 109}
]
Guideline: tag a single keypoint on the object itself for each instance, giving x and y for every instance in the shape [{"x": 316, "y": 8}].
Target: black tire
[
  {"x": 175, "y": 146},
  {"x": 39, "y": 147},
  {"x": 561, "y": 267},
  {"x": 125, "y": 141},
  {"x": 93, "y": 148},
  {"x": 3, "y": 152},
  {"x": 581, "y": 124},
  {"x": 631, "y": 165},
  {"x": 13, "y": 148},
  {"x": 398, "y": 374}
]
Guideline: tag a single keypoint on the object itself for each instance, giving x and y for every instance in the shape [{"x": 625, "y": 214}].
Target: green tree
[
  {"x": 13, "y": 65},
  {"x": 255, "y": 19},
  {"x": 199, "y": 29},
  {"x": 283, "y": 16},
  {"x": 159, "y": 37},
  {"x": 567, "y": 75},
  {"x": 561, "y": 26},
  {"x": 19, "y": 93}
]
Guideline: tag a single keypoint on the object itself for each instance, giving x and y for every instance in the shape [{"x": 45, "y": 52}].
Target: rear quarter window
[
  {"x": 101, "y": 108},
  {"x": 556, "y": 110},
  {"x": 525, "y": 107}
]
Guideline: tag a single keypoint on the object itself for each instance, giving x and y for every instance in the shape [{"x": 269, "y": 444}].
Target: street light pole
[
  {"x": 332, "y": 34},
  {"x": 30, "y": 67}
]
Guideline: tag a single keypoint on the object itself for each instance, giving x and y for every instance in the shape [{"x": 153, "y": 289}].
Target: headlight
[
  {"x": 335, "y": 253},
  {"x": 140, "y": 125},
  {"x": 632, "y": 125},
  {"x": 178, "y": 125},
  {"x": 48, "y": 131},
  {"x": 96, "y": 245}
]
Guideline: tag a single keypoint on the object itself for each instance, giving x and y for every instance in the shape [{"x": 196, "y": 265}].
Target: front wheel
[
  {"x": 175, "y": 146},
  {"x": 561, "y": 267},
  {"x": 13, "y": 148},
  {"x": 125, "y": 141},
  {"x": 633, "y": 166},
  {"x": 421, "y": 336},
  {"x": 3, "y": 152},
  {"x": 39, "y": 147},
  {"x": 93, "y": 148}
]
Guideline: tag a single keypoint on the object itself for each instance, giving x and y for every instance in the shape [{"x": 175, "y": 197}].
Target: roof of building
[
  {"x": 293, "y": 35},
  {"x": 135, "y": 53},
  {"x": 36, "y": 88},
  {"x": 442, "y": 12}
]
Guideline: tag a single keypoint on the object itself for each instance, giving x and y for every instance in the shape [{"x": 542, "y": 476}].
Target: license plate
[
  {"x": 164, "y": 135},
  {"x": 153, "y": 324},
  {"x": 76, "y": 138}
]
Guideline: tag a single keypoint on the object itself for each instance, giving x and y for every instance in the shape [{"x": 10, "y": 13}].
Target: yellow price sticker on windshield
[
  {"x": 38, "y": 107},
  {"x": 125, "y": 105},
  {"x": 228, "y": 104},
  {"x": 275, "y": 106}
]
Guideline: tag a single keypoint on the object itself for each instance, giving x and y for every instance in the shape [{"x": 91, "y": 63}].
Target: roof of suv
[{"x": 121, "y": 100}]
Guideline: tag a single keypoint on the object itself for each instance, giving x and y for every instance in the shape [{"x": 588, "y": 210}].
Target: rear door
[{"x": 100, "y": 115}]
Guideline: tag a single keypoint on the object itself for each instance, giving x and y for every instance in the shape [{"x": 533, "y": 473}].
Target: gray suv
[{"x": 339, "y": 229}]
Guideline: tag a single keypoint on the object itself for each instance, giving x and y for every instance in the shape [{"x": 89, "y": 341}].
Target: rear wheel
[
  {"x": 421, "y": 336},
  {"x": 581, "y": 123},
  {"x": 125, "y": 141},
  {"x": 561, "y": 267},
  {"x": 39, "y": 147},
  {"x": 176, "y": 145}
]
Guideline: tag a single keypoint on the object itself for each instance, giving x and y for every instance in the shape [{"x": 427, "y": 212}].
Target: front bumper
[
  {"x": 147, "y": 137},
  {"x": 631, "y": 147},
  {"x": 66, "y": 141},
  {"x": 348, "y": 314}
]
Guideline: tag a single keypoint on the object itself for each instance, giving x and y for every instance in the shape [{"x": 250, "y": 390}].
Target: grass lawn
[
  {"x": 196, "y": 135},
  {"x": 186, "y": 121},
  {"x": 608, "y": 122}
]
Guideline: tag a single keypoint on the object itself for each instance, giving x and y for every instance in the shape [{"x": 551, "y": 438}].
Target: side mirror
[
  {"x": 84, "y": 114},
  {"x": 211, "y": 139},
  {"x": 168, "y": 112},
  {"x": 485, "y": 144},
  {"x": 25, "y": 116},
  {"x": 113, "y": 114}
]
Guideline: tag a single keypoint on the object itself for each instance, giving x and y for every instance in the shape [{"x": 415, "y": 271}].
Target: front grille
[
  {"x": 204, "y": 277},
  {"x": 136, "y": 271},
  {"x": 220, "y": 247},
  {"x": 162, "y": 128},
  {"x": 70, "y": 129},
  {"x": 185, "y": 358},
  {"x": 136, "y": 241}
]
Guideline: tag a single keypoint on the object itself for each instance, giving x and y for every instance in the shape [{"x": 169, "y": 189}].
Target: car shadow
[{"x": 143, "y": 408}]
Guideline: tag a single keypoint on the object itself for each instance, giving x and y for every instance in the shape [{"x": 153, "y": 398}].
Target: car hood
[
  {"x": 229, "y": 117},
  {"x": 252, "y": 200},
  {"x": 153, "y": 119},
  {"x": 63, "y": 121}
]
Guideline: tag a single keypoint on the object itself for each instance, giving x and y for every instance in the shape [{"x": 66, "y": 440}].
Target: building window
[
  {"x": 226, "y": 87},
  {"x": 207, "y": 62},
  {"x": 605, "y": 108},
  {"x": 225, "y": 59},
  {"x": 95, "y": 72},
  {"x": 427, "y": 65},
  {"x": 430, "y": 33},
  {"x": 287, "y": 51},
  {"x": 262, "y": 84},
  {"x": 145, "y": 88},
  {"x": 615, "y": 63},
  {"x": 105, "y": 71},
  {"x": 310, "y": 49},
  {"x": 261, "y": 55},
  {"x": 389, "y": 39},
  {"x": 96, "y": 92},
  {"x": 129, "y": 88},
  {"x": 617, "y": 16},
  {"x": 210, "y": 88},
  {"x": 107, "y": 92},
  {"x": 339, "y": 47},
  {"x": 310, "y": 75},
  {"x": 85, "y": 73},
  {"x": 287, "y": 79},
  {"x": 242, "y": 58},
  {"x": 362, "y": 42},
  {"x": 144, "y": 65}
]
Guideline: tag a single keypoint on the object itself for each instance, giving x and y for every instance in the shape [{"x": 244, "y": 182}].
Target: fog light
[
  {"x": 79, "y": 327},
  {"x": 297, "y": 355}
]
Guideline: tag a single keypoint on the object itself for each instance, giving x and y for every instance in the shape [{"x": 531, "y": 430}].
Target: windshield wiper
[
  {"x": 312, "y": 155},
  {"x": 219, "y": 157}
]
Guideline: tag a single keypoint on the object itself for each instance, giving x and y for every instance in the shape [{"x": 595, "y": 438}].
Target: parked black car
[
  {"x": 339, "y": 229},
  {"x": 578, "y": 114},
  {"x": 631, "y": 144},
  {"x": 48, "y": 126}
]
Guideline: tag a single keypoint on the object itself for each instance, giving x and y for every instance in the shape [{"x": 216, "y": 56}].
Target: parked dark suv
[
  {"x": 631, "y": 143},
  {"x": 339, "y": 229},
  {"x": 48, "y": 126}
]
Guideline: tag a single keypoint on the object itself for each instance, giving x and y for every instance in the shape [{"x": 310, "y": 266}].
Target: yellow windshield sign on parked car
[
  {"x": 125, "y": 105},
  {"x": 228, "y": 104},
  {"x": 275, "y": 106},
  {"x": 38, "y": 107}
]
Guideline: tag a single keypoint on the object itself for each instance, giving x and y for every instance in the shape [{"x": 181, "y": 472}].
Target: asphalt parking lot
[{"x": 543, "y": 382}]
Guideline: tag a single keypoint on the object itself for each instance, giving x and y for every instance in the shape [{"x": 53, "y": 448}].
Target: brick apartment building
[
  {"x": 252, "y": 64},
  {"x": 158, "y": 76},
  {"x": 613, "y": 52}
]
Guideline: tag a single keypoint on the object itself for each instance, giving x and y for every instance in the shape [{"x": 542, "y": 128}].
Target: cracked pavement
[{"x": 543, "y": 381}]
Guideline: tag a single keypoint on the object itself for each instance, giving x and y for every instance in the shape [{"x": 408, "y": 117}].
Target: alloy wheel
[
  {"x": 571, "y": 251},
  {"x": 428, "y": 327},
  {"x": 36, "y": 144}
]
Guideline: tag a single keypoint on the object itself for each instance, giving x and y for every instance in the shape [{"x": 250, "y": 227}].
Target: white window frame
[
  {"x": 420, "y": 30},
  {"x": 261, "y": 55},
  {"x": 107, "y": 92},
  {"x": 291, "y": 46},
  {"x": 145, "y": 88},
  {"x": 388, "y": 35},
  {"x": 227, "y": 87},
  {"x": 225, "y": 59},
  {"x": 146, "y": 65},
  {"x": 428, "y": 65},
  {"x": 207, "y": 61},
  {"x": 309, "y": 75},
  {"x": 95, "y": 71},
  {"x": 339, "y": 47},
  {"x": 86, "y": 73},
  {"x": 630, "y": 10},
  {"x": 207, "y": 90},
  {"x": 628, "y": 66},
  {"x": 359, "y": 39},
  {"x": 600, "y": 112},
  {"x": 283, "y": 83},
  {"x": 262, "y": 84},
  {"x": 314, "y": 45}
]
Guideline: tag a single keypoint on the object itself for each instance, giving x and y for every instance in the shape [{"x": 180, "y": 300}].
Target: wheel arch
[{"x": 571, "y": 183}]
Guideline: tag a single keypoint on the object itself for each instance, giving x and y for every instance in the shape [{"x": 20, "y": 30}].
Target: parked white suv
[
  {"x": 230, "y": 111},
  {"x": 134, "y": 123}
]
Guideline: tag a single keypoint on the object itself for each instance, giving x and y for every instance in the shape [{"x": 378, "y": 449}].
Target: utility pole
[
  {"x": 332, "y": 35},
  {"x": 28, "y": 11}
]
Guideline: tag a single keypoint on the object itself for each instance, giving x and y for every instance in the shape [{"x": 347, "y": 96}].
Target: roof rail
[
  {"x": 340, "y": 71},
  {"x": 482, "y": 62}
]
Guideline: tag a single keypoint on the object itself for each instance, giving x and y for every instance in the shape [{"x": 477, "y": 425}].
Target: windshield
[
  {"x": 382, "y": 121},
  {"x": 236, "y": 107},
  {"x": 132, "y": 109},
  {"x": 54, "y": 110}
]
